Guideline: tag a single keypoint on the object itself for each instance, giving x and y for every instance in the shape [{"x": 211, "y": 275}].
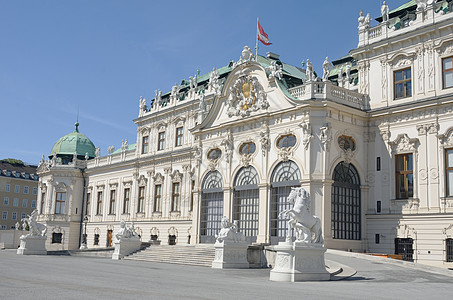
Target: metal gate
[
  {"x": 285, "y": 176},
  {"x": 404, "y": 247},
  {"x": 211, "y": 208},
  {"x": 246, "y": 202}
]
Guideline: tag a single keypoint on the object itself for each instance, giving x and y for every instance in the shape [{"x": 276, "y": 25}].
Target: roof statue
[
  {"x": 309, "y": 71},
  {"x": 142, "y": 106},
  {"x": 307, "y": 227},
  {"x": 367, "y": 21},
  {"x": 385, "y": 12},
  {"x": 247, "y": 54},
  {"x": 158, "y": 97},
  {"x": 361, "y": 20},
  {"x": 193, "y": 82},
  {"x": 110, "y": 150},
  {"x": 326, "y": 66},
  {"x": 98, "y": 152},
  {"x": 422, "y": 4},
  {"x": 275, "y": 71},
  {"x": 174, "y": 91},
  {"x": 202, "y": 105},
  {"x": 124, "y": 145}
]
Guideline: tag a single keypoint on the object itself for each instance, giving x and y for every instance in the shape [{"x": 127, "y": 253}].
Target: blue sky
[{"x": 98, "y": 57}]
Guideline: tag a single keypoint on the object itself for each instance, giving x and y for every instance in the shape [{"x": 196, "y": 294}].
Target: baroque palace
[{"x": 372, "y": 141}]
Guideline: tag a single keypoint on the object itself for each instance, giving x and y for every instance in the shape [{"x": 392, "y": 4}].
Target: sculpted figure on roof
[
  {"x": 361, "y": 20},
  {"x": 309, "y": 71},
  {"x": 326, "y": 66},
  {"x": 385, "y": 12}
]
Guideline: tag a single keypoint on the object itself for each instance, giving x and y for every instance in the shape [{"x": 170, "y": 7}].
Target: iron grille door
[
  {"x": 211, "y": 216},
  {"x": 279, "y": 203},
  {"x": 404, "y": 246},
  {"x": 246, "y": 212}
]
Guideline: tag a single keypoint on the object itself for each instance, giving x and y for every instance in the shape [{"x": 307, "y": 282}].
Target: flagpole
[{"x": 256, "y": 47}]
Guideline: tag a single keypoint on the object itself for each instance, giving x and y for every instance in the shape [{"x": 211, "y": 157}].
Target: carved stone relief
[{"x": 246, "y": 96}]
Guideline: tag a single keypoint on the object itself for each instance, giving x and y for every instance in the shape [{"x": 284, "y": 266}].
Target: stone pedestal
[
  {"x": 125, "y": 246},
  {"x": 230, "y": 255},
  {"x": 32, "y": 245},
  {"x": 299, "y": 261}
]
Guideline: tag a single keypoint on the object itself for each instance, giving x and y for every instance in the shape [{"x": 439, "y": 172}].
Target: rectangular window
[
  {"x": 404, "y": 176},
  {"x": 449, "y": 250},
  {"x": 141, "y": 199},
  {"x": 3, "y": 227},
  {"x": 127, "y": 197},
  {"x": 175, "y": 197},
  {"x": 60, "y": 203},
  {"x": 157, "y": 197},
  {"x": 24, "y": 203},
  {"x": 449, "y": 171},
  {"x": 23, "y": 215},
  {"x": 112, "y": 202},
  {"x": 402, "y": 83},
  {"x": 17, "y": 188},
  {"x": 378, "y": 206},
  {"x": 6, "y": 201},
  {"x": 16, "y": 202},
  {"x": 191, "y": 195},
  {"x": 33, "y": 203},
  {"x": 88, "y": 204},
  {"x": 378, "y": 163},
  {"x": 377, "y": 238},
  {"x": 96, "y": 239},
  {"x": 14, "y": 216},
  {"x": 4, "y": 215},
  {"x": 7, "y": 187},
  {"x": 35, "y": 191},
  {"x": 25, "y": 189},
  {"x": 99, "y": 204},
  {"x": 447, "y": 72},
  {"x": 161, "y": 141},
  {"x": 56, "y": 238},
  {"x": 145, "y": 144},
  {"x": 43, "y": 200},
  {"x": 179, "y": 136}
]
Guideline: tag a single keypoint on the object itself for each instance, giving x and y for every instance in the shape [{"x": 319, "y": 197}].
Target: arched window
[
  {"x": 285, "y": 175},
  {"x": 211, "y": 209},
  {"x": 346, "y": 206},
  {"x": 245, "y": 203}
]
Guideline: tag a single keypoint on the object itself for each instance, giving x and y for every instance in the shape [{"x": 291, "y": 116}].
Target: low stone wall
[{"x": 11, "y": 238}]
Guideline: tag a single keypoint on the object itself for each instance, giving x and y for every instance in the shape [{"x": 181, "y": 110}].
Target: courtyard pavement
[{"x": 70, "y": 277}]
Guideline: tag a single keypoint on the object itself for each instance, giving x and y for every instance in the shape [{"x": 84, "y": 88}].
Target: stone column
[{"x": 263, "y": 219}]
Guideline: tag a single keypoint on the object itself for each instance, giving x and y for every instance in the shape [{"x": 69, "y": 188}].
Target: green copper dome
[{"x": 74, "y": 142}]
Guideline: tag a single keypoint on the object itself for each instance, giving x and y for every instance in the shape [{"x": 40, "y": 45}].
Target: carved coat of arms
[{"x": 246, "y": 95}]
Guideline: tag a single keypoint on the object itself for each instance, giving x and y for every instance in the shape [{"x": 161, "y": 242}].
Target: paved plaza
[{"x": 69, "y": 277}]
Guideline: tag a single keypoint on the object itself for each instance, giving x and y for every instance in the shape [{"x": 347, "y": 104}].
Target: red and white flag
[{"x": 262, "y": 36}]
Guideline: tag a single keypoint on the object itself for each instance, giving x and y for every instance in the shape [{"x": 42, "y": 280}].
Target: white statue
[
  {"x": 385, "y": 12},
  {"x": 17, "y": 226},
  {"x": 36, "y": 229},
  {"x": 158, "y": 97},
  {"x": 124, "y": 145},
  {"x": 247, "y": 54},
  {"x": 86, "y": 156},
  {"x": 227, "y": 142},
  {"x": 174, "y": 91},
  {"x": 110, "y": 150},
  {"x": 275, "y": 71},
  {"x": 309, "y": 71},
  {"x": 348, "y": 72},
  {"x": 361, "y": 20},
  {"x": 229, "y": 232},
  {"x": 202, "y": 105},
  {"x": 367, "y": 21},
  {"x": 306, "y": 226},
  {"x": 213, "y": 84},
  {"x": 126, "y": 232},
  {"x": 193, "y": 82},
  {"x": 423, "y": 4},
  {"x": 326, "y": 66}
]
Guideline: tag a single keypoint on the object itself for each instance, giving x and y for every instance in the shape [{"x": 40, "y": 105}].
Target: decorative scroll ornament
[{"x": 246, "y": 96}]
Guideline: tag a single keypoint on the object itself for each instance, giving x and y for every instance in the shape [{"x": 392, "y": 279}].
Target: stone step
[{"x": 198, "y": 255}]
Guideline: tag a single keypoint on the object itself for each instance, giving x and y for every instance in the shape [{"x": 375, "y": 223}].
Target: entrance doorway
[{"x": 109, "y": 238}]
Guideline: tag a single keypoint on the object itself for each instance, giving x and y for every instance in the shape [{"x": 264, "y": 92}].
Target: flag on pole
[{"x": 262, "y": 36}]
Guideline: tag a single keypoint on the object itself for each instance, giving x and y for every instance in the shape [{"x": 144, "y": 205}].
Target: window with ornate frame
[
  {"x": 286, "y": 141},
  {"x": 141, "y": 200},
  {"x": 449, "y": 171},
  {"x": 214, "y": 154},
  {"x": 60, "y": 202},
  {"x": 145, "y": 144},
  {"x": 404, "y": 169},
  {"x": 179, "y": 136},
  {"x": 447, "y": 72},
  {"x": 157, "y": 198},
  {"x": 112, "y": 202},
  {"x": 161, "y": 141},
  {"x": 175, "y": 199},
  {"x": 247, "y": 148},
  {"x": 402, "y": 83},
  {"x": 99, "y": 204},
  {"x": 126, "y": 200}
]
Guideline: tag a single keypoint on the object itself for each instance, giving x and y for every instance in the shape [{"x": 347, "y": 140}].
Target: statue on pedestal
[
  {"x": 306, "y": 226},
  {"x": 326, "y": 66},
  {"x": 385, "y": 12},
  {"x": 36, "y": 229},
  {"x": 229, "y": 232}
]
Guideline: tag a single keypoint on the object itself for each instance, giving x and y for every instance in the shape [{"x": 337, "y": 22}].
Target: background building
[{"x": 18, "y": 191}]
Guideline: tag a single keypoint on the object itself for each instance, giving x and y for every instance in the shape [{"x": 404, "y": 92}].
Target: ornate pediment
[
  {"x": 158, "y": 178},
  {"x": 142, "y": 180},
  {"x": 404, "y": 144},
  {"x": 246, "y": 95},
  {"x": 176, "y": 176},
  {"x": 446, "y": 139}
]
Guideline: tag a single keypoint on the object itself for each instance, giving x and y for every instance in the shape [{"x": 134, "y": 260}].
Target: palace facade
[{"x": 371, "y": 141}]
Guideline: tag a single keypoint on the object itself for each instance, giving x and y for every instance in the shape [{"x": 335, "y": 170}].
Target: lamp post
[{"x": 84, "y": 239}]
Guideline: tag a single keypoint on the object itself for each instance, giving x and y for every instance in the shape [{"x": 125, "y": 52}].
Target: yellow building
[{"x": 18, "y": 192}]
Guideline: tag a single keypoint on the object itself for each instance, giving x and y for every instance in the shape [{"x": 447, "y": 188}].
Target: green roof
[
  {"x": 129, "y": 148},
  {"x": 74, "y": 142},
  {"x": 404, "y": 6}
]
